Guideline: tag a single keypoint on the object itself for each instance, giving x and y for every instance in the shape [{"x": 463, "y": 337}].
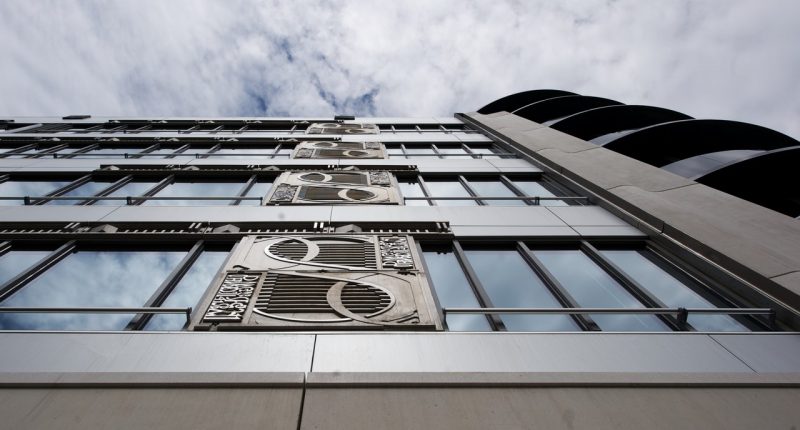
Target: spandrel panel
[
  {"x": 196, "y": 189},
  {"x": 591, "y": 287},
  {"x": 15, "y": 262},
  {"x": 27, "y": 188},
  {"x": 510, "y": 283},
  {"x": 453, "y": 291},
  {"x": 669, "y": 290},
  {"x": 189, "y": 290},
  {"x": 495, "y": 189},
  {"x": 91, "y": 279}
]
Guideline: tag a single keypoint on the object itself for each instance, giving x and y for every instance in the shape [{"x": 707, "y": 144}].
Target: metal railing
[
  {"x": 681, "y": 314},
  {"x": 97, "y": 310}
]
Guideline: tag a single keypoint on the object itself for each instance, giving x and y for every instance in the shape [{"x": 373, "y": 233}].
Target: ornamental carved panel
[
  {"x": 321, "y": 282},
  {"x": 340, "y": 128},
  {"x": 323, "y": 150},
  {"x": 334, "y": 187}
]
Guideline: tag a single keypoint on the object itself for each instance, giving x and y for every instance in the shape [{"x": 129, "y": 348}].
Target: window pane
[
  {"x": 592, "y": 287},
  {"x": 495, "y": 189},
  {"x": 284, "y": 152},
  {"x": 536, "y": 189},
  {"x": 395, "y": 152},
  {"x": 188, "y": 291},
  {"x": 259, "y": 189},
  {"x": 485, "y": 152},
  {"x": 669, "y": 290},
  {"x": 161, "y": 152},
  {"x": 453, "y": 291},
  {"x": 449, "y": 189},
  {"x": 27, "y": 188},
  {"x": 13, "y": 263},
  {"x": 412, "y": 189},
  {"x": 131, "y": 189},
  {"x": 444, "y": 150},
  {"x": 236, "y": 153},
  {"x": 91, "y": 279},
  {"x": 20, "y": 154},
  {"x": 510, "y": 283},
  {"x": 196, "y": 189},
  {"x": 420, "y": 152},
  {"x": 88, "y": 189},
  {"x": 109, "y": 152}
]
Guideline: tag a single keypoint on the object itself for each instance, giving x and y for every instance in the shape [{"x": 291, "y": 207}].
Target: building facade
[{"x": 551, "y": 261}]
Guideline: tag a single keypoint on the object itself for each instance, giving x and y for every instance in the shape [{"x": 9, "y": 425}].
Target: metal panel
[
  {"x": 586, "y": 215},
  {"x": 155, "y": 352},
  {"x": 513, "y": 231},
  {"x": 501, "y": 216},
  {"x": 48, "y": 213},
  {"x": 764, "y": 353},
  {"x": 578, "y": 352},
  {"x": 217, "y": 213}
]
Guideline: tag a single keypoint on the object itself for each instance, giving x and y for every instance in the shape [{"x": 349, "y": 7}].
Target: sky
[{"x": 728, "y": 59}]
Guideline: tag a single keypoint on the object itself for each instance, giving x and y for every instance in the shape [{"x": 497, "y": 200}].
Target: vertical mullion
[
  {"x": 5, "y": 247},
  {"x": 83, "y": 150},
  {"x": 213, "y": 149},
  {"x": 630, "y": 285},
  {"x": 403, "y": 148},
  {"x": 436, "y": 150},
  {"x": 511, "y": 186},
  {"x": 276, "y": 151},
  {"x": 425, "y": 190},
  {"x": 428, "y": 278},
  {"x": 180, "y": 149},
  {"x": 480, "y": 293},
  {"x": 585, "y": 322},
  {"x": 157, "y": 298},
  {"x": 245, "y": 189},
  {"x": 470, "y": 191},
  {"x": 148, "y": 149},
  {"x": 49, "y": 150},
  {"x": 16, "y": 283}
]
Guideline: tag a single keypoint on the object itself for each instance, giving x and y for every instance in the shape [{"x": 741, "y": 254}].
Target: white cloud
[{"x": 710, "y": 59}]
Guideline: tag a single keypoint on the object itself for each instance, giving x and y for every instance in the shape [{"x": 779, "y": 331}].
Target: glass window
[
  {"x": 592, "y": 287},
  {"x": 453, "y": 291},
  {"x": 188, "y": 291},
  {"x": 445, "y": 150},
  {"x": 284, "y": 152},
  {"x": 16, "y": 153},
  {"x": 449, "y": 189},
  {"x": 259, "y": 189},
  {"x": 421, "y": 151},
  {"x": 536, "y": 189},
  {"x": 109, "y": 152},
  {"x": 495, "y": 189},
  {"x": 196, "y": 189},
  {"x": 158, "y": 153},
  {"x": 27, "y": 188},
  {"x": 510, "y": 282},
  {"x": 131, "y": 189},
  {"x": 88, "y": 189},
  {"x": 669, "y": 290},
  {"x": 412, "y": 189},
  {"x": 14, "y": 262},
  {"x": 91, "y": 279},
  {"x": 484, "y": 151},
  {"x": 395, "y": 152},
  {"x": 236, "y": 153}
]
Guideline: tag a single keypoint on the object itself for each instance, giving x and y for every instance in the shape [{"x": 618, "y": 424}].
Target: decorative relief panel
[
  {"x": 339, "y": 150},
  {"x": 321, "y": 282},
  {"x": 334, "y": 187},
  {"x": 340, "y": 128}
]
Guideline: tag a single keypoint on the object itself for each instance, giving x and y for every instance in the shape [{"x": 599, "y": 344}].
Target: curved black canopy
[
  {"x": 603, "y": 120},
  {"x": 516, "y": 101},
  {"x": 562, "y": 106}
]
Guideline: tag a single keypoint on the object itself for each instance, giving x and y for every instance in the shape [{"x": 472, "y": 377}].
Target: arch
[
  {"x": 667, "y": 143},
  {"x": 515, "y": 101},
  {"x": 768, "y": 179},
  {"x": 558, "y": 107},
  {"x": 600, "y": 121}
]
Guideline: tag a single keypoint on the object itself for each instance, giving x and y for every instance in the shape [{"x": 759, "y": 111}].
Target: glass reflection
[
  {"x": 259, "y": 189},
  {"x": 91, "y": 279},
  {"x": 449, "y": 189},
  {"x": 188, "y": 291},
  {"x": 536, "y": 189},
  {"x": 412, "y": 189},
  {"x": 448, "y": 151},
  {"x": 27, "y": 188},
  {"x": 196, "y": 189},
  {"x": 14, "y": 262},
  {"x": 88, "y": 189},
  {"x": 237, "y": 153},
  {"x": 510, "y": 283},
  {"x": 109, "y": 152},
  {"x": 495, "y": 189},
  {"x": 484, "y": 152},
  {"x": 669, "y": 290},
  {"x": 131, "y": 189},
  {"x": 592, "y": 287},
  {"x": 453, "y": 291},
  {"x": 395, "y": 152}
]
